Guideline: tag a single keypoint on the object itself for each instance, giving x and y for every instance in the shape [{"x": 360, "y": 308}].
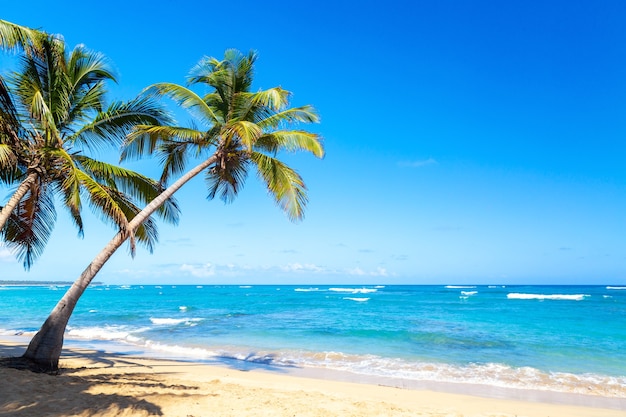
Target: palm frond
[
  {"x": 103, "y": 200},
  {"x": 303, "y": 114},
  {"x": 66, "y": 179},
  {"x": 120, "y": 118},
  {"x": 86, "y": 67},
  {"x": 227, "y": 175},
  {"x": 174, "y": 157},
  {"x": 275, "y": 98},
  {"x": 292, "y": 141},
  {"x": 8, "y": 159},
  {"x": 185, "y": 98},
  {"x": 146, "y": 139},
  {"x": 131, "y": 183},
  {"x": 283, "y": 183},
  {"x": 29, "y": 228},
  {"x": 20, "y": 38},
  {"x": 244, "y": 132}
]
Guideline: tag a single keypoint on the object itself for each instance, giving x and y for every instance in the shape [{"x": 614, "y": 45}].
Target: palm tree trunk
[
  {"x": 21, "y": 191},
  {"x": 45, "y": 348}
]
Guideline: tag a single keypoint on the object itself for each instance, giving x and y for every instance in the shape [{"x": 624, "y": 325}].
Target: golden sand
[{"x": 104, "y": 384}]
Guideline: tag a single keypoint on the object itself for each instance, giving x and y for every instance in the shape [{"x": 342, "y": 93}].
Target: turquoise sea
[{"x": 551, "y": 338}]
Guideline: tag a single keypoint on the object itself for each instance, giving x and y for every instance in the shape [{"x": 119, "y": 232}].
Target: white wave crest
[
  {"x": 307, "y": 289},
  {"x": 360, "y": 300},
  {"x": 117, "y": 333},
  {"x": 468, "y": 293},
  {"x": 173, "y": 322},
  {"x": 615, "y": 288},
  {"x": 354, "y": 290},
  {"x": 571, "y": 297},
  {"x": 456, "y": 287}
]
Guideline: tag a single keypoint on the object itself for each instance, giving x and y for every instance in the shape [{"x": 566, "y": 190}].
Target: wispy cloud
[
  {"x": 378, "y": 272},
  {"x": 289, "y": 251},
  {"x": 297, "y": 267},
  {"x": 200, "y": 271},
  {"x": 217, "y": 271},
  {"x": 418, "y": 163}
]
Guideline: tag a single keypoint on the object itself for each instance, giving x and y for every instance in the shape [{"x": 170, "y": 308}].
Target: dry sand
[{"x": 95, "y": 383}]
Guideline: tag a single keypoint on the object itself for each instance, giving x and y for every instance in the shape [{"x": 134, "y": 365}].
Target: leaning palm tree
[
  {"x": 51, "y": 113},
  {"x": 241, "y": 129}
]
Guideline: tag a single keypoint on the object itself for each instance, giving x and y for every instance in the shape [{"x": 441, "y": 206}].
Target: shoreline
[{"x": 336, "y": 393}]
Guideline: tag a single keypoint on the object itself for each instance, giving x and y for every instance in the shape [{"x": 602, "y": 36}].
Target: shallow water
[{"x": 552, "y": 338}]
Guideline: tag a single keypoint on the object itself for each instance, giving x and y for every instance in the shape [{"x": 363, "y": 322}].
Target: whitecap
[
  {"x": 306, "y": 289},
  {"x": 245, "y": 286},
  {"x": 360, "y": 300},
  {"x": 456, "y": 287},
  {"x": 354, "y": 290},
  {"x": 572, "y": 297},
  {"x": 183, "y": 308},
  {"x": 615, "y": 288},
  {"x": 121, "y": 333},
  {"x": 173, "y": 322},
  {"x": 468, "y": 293}
]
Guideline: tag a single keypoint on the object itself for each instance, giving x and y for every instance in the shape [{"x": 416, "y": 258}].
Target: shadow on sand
[{"x": 74, "y": 391}]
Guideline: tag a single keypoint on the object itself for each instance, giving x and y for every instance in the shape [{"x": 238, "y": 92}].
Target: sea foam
[
  {"x": 354, "y": 290},
  {"x": 571, "y": 297},
  {"x": 173, "y": 322}
]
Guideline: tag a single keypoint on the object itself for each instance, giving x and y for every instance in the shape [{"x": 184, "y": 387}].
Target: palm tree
[
  {"x": 51, "y": 112},
  {"x": 240, "y": 129}
]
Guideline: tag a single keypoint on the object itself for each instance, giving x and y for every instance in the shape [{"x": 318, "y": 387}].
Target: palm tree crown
[
  {"x": 52, "y": 110},
  {"x": 240, "y": 128}
]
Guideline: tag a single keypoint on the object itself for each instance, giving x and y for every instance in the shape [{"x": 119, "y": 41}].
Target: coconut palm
[
  {"x": 52, "y": 111},
  {"x": 240, "y": 129}
]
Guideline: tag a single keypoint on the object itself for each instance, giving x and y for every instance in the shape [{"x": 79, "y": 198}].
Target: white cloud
[
  {"x": 200, "y": 271},
  {"x": 418, "y": 163},
  {"x": 297, "y": 267},
  {"x": 191, "y": 272},
  {"x": 378, "y": 272}
]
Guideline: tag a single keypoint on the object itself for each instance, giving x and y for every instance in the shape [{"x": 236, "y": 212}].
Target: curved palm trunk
[
  {"x": 21, "y": 191},
  {"x": 45, "y": 347}
]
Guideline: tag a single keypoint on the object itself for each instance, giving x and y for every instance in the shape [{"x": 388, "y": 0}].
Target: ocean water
[{"x": 553, "y": 338}]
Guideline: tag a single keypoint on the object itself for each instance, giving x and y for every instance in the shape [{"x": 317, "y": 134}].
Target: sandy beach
[{"x": 97, "y": 383}]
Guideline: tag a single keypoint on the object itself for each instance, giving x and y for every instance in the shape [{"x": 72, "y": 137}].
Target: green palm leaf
[
  {"x": 292, "y": 141},
  {"x": 29, "y": 228},
  {"x": 185, "y": 98},
  {"x": 285, "y": 184}
]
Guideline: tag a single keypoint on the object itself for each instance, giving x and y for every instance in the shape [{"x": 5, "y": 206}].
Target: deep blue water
[{"x": 564, "y": 338}]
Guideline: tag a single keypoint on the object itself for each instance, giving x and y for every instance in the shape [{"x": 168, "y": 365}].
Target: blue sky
[{"x": 467, "y": 142}]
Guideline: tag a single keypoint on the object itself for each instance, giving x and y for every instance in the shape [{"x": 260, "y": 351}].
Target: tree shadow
[
  {"x": 88, "y": 391},
  {"x": 93, "y": 389}
]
